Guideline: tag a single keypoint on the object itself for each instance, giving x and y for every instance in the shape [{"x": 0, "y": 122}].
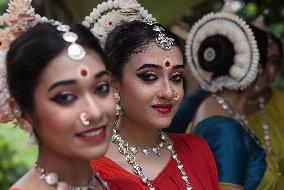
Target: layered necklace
[
  {"x": 129, "y": 151},
  {"x": 52, "y": 180}
]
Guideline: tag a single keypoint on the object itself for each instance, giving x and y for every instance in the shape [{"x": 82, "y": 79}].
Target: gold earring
[
  {"x": 84, "y": 120},
  {"x": 175, "y": 95}
]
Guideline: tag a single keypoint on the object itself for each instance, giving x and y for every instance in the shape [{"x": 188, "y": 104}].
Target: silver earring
[
  {"x": 84, "y": 120},
  {"x": 117, "y": 99},
  {"x": 175, "y": 96}
]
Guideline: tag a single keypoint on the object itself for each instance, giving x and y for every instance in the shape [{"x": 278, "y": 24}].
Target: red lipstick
[
  {"x": 93, "y": 135},
  {"x": 163, "y": 108}
]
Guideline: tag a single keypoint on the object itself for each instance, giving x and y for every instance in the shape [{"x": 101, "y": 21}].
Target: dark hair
[
  {"x": 30, "y": 53},
  {"x": 128, "y": 38},
  {"x": 224, "y": 52},
  {"x": 278, "y": 42}
]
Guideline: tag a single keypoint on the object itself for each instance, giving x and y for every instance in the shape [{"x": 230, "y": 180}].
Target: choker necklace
[
  {"x": 226, "y": 105},
  {"x": 52, "y": 180},
  {"x": 124, "y": 149},
  {"x": 134, "y": 149}
]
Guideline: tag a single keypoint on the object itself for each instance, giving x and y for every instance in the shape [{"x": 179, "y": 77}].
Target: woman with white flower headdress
[
  {"x": 54, "y": 84},
  {"x": 147, "y": 68},
  {"x": 224, "y": 54}
]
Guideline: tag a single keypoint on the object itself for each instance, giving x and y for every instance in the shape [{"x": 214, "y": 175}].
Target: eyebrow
[
  {"x": 101, "y": 74},
  {"x": 72, "y": 82},
  {"x": 150, "y": 65},
  {"x": 178, "y": 67},
  {"x": 62, "y": 83}
]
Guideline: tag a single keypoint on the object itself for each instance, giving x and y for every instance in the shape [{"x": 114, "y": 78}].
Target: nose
[
  {"x": 165, "y": 90},
  {"x": 93, "y": 111}
]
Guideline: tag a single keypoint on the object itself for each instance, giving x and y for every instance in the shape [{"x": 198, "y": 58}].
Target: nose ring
[
  {"x": 84, "y": 120},
  {"x": 175, "y": 95}
]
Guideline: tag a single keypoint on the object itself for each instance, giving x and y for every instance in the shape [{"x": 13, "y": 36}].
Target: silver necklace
[
  {"x": 124, "y": 149},
  {"x": 134, "y": 149},
  {"x": 52, "y": 180},
  {"x": 266, "y": 136},
  {"x": 226, "y": 105}
]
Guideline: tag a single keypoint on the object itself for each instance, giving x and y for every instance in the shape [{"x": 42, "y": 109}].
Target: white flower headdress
[
  {"x": 245, "y": 68},
  {"x": 18, "y": 18},
  {"x": 107, "y": 15}
]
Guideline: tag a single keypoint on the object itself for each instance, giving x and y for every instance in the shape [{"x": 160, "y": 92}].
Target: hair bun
[{"x": 216, "y": 54}]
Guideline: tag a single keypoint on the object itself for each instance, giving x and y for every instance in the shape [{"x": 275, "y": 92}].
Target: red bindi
[
  {"x": 167, "y": 63},
  {"x": 84, "y": 72},
  {"x": 109, "y": 23}
]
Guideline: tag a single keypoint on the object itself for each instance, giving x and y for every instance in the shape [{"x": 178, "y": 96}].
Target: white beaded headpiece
[
  {"x": 108, "y": 15},
  {"x": 245, "y": 68}
]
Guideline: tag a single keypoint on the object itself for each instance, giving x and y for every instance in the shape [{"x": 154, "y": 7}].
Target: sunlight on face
[{"x": 62, "y": 95}]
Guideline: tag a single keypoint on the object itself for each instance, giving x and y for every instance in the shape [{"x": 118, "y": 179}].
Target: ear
[{"x": 116, "y": 85}]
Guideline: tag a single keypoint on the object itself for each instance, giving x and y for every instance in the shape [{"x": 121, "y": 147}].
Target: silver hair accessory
[
  {"x": 162, "y": 40},
  {"x": 209, "y": 54},
  {"x": 84, "y": 119},
  {"x": 75, "y": 51},
  {"x": 110, "y": 14},
  {"x": 246, "y": 60}
]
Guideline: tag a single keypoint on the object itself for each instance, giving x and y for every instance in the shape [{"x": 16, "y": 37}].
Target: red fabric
[
  {"x": 193, "y": 152},
  {"x": 14, "y": 188}
]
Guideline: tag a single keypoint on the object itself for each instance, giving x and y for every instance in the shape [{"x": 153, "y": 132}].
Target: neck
[
  {"x": 137, "y": 134},
  {"x": 236, "y": 98},
  {"x": 69, "y": 170}
]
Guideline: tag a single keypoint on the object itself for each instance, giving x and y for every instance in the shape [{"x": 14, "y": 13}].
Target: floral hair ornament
[
  {"x": 18, "y": 18},
  {"x": 225, "y": 23},
  {"x": 108, "y": 15}
]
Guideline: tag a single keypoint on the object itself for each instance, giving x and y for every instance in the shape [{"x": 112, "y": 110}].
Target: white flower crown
[
  {"x": 107, "y": 15},
  {"x": 245, "y": 68}
]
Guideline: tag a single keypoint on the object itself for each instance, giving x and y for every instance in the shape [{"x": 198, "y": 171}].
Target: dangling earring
[
  {"x": 119, "y": 110},
  {"x": 84, "y": 120},
  {"x": 175, "y": 96}
]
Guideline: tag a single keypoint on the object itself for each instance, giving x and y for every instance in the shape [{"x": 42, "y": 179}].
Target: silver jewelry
[
  {"x": 209, "y": 54},
  {"x": 162, "y": 40},
  {"x": 134, "y": 149},
  {"x": 266, "y": 137},
  {"x": 52, "y": 180},
  {"x": 124, "y": 149},
  {"x": 84, "y": 119},
  {"x": 119, "y": 110},
  {"x": 226, "y": 105},
  {"x": 75, "y": 51},
  {"x": 175, "y": 95}
]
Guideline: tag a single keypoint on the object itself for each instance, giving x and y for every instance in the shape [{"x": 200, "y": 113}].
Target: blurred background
[{"x": 16, "y": 155}]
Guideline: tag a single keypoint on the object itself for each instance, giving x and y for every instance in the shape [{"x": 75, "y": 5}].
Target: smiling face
[
  {"x": 151, "y": 87},
  {"x": 62, "y": 96}
]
